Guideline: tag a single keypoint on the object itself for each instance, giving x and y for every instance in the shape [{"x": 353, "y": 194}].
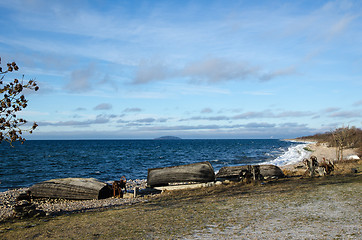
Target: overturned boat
[
  {"x": 195, "y": 172},
  {"x": 235, "y": 172},
  {"x": 71, "y": 188}
]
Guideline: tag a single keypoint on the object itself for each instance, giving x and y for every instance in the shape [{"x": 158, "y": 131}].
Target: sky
[{"x": 192, "y": 69}]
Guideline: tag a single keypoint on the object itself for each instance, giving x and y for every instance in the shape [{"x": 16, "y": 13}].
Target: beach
[
  {"x": 291, "y": 208},
  {"x": 320, "y": 151}
]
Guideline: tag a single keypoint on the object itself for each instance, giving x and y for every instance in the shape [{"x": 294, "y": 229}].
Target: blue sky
[{"x": 193, "y": 69}]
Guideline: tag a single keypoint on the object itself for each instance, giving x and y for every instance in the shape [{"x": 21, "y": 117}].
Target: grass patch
[{"x": 308, "y": 149}]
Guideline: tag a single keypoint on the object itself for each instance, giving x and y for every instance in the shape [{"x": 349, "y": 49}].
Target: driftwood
[
  {"x": 196, "y": 172},
  {"x": 71, "y": 188},
  {"x": 315, "y": 168},
  {"x": 312, "y": 165},
  {"x": 248, "y": 171}
]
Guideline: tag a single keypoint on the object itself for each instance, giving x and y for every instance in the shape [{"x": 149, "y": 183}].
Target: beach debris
[
  {"x": 26, "y": 209},
  {"x": 249, "y": 172},
  {"x": 24, "y": 196},
  {"x": 190, "y": 173},
  {"x": 311, "y": 165},
  {"x": 117, "y": 187},
  {"x": 71, "y": 188},
  {"x": 326, "y": 167}
]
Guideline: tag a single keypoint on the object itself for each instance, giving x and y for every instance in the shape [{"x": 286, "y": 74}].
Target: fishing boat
[
  {"x": 71, "y": 188},
  {"x": 195, "y": 172},
  {"x": 234, "y": 172}
]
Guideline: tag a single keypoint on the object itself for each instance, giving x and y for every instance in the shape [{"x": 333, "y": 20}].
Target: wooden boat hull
[
  {"x": 196, "y": 172},
  {"x": 71, "y": 188},
  {"x": 233, "y": 172}
]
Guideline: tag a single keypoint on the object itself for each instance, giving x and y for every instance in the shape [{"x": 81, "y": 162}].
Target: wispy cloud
[
  {"x": 259, "y": 125},
  {"x": 208, "y": 70},
  {"x": 103, "y": 106},
  {"x": 358, "y": 103},
  {"x": 254, "y": 115},
  {"x": 150, "y": 71},
  {"x": 258, "y": 93},
  {"x": 211, "y": 118},
  {"x": 215, "y": 70},
  {"x": 331, "y": 109},
  {"x": 81, "y": 80},
  {"x": 278, "y": 73},
  {"x": 151, "y": 120},
  {"x": 346, "y": 114},
  {"x": 206, "y": 110},
  {"x": 135, "y": 109},
  {"x": 84, "y": 123}
]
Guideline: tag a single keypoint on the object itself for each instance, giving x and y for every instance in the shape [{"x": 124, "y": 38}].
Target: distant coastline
[{"x": 168, "y": 138}]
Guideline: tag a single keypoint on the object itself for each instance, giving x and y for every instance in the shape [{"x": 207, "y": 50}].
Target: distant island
[{"x": 168, "y": 138}]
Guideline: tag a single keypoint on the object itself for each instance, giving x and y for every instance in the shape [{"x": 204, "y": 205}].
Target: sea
[{"x": 23, "y": 165}]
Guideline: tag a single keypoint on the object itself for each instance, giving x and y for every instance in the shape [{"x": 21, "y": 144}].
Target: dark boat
[
  {"x": 71, "y": 188},
  {"x": 196, "y": 172},
  {"x": 233, "y": 172}
]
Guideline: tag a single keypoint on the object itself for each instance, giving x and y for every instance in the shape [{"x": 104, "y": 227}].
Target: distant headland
[{"x": 168, "y": 138}]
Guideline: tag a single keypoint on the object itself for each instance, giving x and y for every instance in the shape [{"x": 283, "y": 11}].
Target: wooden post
[{"x": 135, "y": 190}]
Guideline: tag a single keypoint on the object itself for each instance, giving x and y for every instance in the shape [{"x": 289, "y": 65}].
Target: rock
[{"x": 353, "y": 157}]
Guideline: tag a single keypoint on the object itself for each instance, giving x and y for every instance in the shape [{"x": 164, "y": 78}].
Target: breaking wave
[{"x": 294, "y": 154}]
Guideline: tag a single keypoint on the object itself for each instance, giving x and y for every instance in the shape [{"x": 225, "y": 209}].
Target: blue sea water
[{"x": 108, "y": 160}]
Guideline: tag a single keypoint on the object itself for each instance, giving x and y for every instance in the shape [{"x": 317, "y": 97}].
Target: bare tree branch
[{"x": 13, "y": 101}]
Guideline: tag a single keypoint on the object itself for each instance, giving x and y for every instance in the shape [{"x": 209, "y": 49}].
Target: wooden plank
[
  {"x": 71, "y": 188},
  {"x": 196, "y": 172},
  {"x": 187, "y": 186}
]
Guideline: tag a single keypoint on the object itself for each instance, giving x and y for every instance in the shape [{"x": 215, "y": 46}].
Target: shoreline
[
  {"x": 56, "y": 207},
  {"x": 294, "y": 154}
]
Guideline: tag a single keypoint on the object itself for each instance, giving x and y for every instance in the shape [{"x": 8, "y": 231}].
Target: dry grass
[{"x": 281, "y": 208}]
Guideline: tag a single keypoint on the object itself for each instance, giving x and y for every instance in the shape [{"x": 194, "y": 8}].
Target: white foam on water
[{"x": 293, "y": 155}]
